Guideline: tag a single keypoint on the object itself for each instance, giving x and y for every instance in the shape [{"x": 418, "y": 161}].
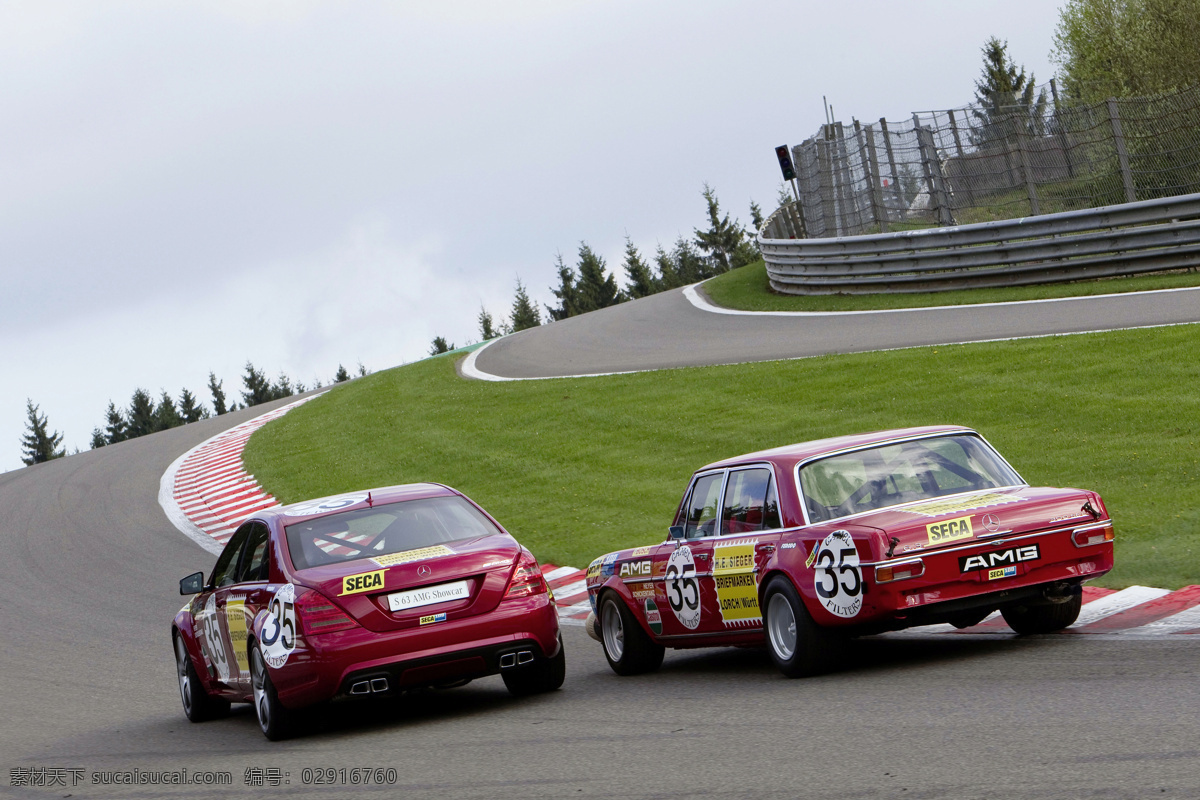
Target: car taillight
[
  {"x": 1093, "y": 534},
  {"x": 316, "y": 614},
  {"x": 900, "y": 572},
  {"x": 527, "y": 578}
]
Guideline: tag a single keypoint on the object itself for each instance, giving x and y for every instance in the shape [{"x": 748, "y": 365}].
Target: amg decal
[
  {"x": 635, "y": 569},
  {"x": 999, "y": 558}
]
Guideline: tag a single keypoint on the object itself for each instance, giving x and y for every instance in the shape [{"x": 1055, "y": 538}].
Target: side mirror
[
  {"x": 192, "y": 584},
  {"x": 675, "y": 532}
]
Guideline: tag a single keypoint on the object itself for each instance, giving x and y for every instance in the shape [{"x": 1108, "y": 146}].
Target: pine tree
[
  {"x": 258, "y": 388},
  {"x": 1005, "y": 99},
  {"x": 364, "y": 372},
  {"x": 486, "y": 326},
  {"x": 140, "y": 418},
  {"x": 440, "y": 346},
  {"x": 166, "y": 415},
  {"x": 690, "y": 266},
  {"x": 641, "y": 279},
  {"x": 218, "y": 394},
  {"x": 282, "y": 387},
  {"x": 756, "y": 216},
  {"x": 38, "y": 444},
  {"x": 115, "y": 428},
  {"x": 342, "y": 376},
  {"x": 524, "y": 313},
  {"x": 596, "y": 289},
  {"x": 668, "y": 271},
  {"x": 189, "y": 409},
  {"x": 567, "y": 293},
  {"x": 723, "y": 236},
  {"x": 98, "y": 439}
]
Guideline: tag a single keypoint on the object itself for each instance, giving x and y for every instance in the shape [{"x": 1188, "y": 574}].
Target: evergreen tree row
[{"x": 588, "y": 286}]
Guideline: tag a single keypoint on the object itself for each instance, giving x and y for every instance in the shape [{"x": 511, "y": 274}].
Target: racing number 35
[
  {"x": 842, "y": 570},
  {"x": 683, "y": 592}
]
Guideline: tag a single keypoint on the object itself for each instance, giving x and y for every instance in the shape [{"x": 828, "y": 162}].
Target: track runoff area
[{"x": 206, "y": 493}]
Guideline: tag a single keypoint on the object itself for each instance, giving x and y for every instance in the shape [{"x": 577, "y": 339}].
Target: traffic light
[{"x": 785, "y": 162}]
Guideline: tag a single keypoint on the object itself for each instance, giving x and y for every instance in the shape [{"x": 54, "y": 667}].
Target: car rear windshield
[
  {"x": 888, "y": 475},
  {"x": 391, "y": 528}
]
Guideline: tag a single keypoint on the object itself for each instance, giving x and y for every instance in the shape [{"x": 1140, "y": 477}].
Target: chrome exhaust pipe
[
  {"x": 524, "y": 657},
  {"x": 361, "y": 687},
  {"x": 379, "y": 685},
  {"x": 508, "y": 660}
]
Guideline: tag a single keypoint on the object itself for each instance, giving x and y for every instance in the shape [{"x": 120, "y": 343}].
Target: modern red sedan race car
[
  {"x": 363, "y": 595},
  {"x": 807, "y": 544}
]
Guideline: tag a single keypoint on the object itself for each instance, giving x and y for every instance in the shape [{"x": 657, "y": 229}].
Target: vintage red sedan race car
[
  {"x": 363, "y": 596},
  {"x": 807, "y": 544}
]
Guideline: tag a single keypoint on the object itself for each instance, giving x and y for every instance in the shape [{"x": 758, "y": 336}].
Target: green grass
[
  {"x": 579, "y": 467},
  {"x": 746, "y": 288}
]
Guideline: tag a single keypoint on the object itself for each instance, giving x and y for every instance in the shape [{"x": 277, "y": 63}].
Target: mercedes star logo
[
  {"x": 423, "y": 570},
  {"x": 991, "y": 522}
]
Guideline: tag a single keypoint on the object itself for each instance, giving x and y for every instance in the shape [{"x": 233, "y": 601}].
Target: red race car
[
  {"x": 363, "y": 595},
  {"x": 807, "y": 544}
]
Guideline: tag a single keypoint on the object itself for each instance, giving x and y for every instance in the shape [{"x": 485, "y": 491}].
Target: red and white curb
[{"x": 206, "y": 492}]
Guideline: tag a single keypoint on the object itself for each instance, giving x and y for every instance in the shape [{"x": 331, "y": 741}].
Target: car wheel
[
  {"x": 545, "y": 675},
  {"x": 275, "y": 721},
  {"x": 198, "y": 704},
  {"x": 1043, "y": 617},
  {"x": 627, "y": 647},
  {"x": 797, "y": 645}
]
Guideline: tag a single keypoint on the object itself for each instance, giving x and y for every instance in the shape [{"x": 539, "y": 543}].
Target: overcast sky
[{"x": 303, "y": 184}]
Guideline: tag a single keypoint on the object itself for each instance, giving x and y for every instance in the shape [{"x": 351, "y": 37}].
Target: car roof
[
  {"x": 335, "y": 504},
  {"x": 790, "y": 455}
]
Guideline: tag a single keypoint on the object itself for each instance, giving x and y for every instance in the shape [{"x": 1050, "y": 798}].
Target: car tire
[
  {"x": 545, "y": 675},
  {"x": 198, "y": 704},
  {"x": 797, "y": 645},
  {"x": 628, "y": 648},
  {"x": 275, "y": 721},
  {"x": 1043, "y": 617}
]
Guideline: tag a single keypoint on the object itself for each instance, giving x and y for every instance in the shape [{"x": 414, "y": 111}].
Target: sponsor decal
[
  {"x": 837, "y": 578},
  {"x": 1065, "y": 517},
  {"x": 737, "y": 588},
  {"x": 322, "y": 506},
  {"x": 653, "y": 618},
  {"x": 936, "y": 508},
  {"x": 427, "y": 596},
  {"x": 787, "y": 546},
  {"x": 278, "y": 635},
  {"x": 639, "y": 552},
  {"x": 420, "y": 554},
  {"x": 429, "y": 619},
  {"x": 593, "y": 573},
  {"x": 235, "y": 621},
  {"x": 1003, "y": 572},
  {"x": 363, "y": 582},
  {"x": 999, "y": 558},
  {"x": 950, "y": 530},
  {"x": 635, "y": 569},
  {"x": 910, "y": 547},
  {"x": 212, "y": 643},
  {"x": 642, "y": 590},
  {"x": 812, "y": 557},
  {"x": 683, "y": 590},
  {"x": 607, "y": 565}
]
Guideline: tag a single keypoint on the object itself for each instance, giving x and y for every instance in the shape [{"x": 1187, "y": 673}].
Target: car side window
[
  {"x": 750, "y": 502},
  {"x": 256, "y": 555},
  {"x": 225, "y": 572},
  {"x": 702, "y": 507}
]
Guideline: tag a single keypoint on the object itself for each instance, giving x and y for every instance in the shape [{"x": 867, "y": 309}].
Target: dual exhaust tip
[
  {"x": 375, "y": 685},
  {"x": 517, "y": 659}
]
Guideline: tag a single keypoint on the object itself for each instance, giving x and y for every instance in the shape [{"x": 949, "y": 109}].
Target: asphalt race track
[
  {"x": 665, "y": 330},
  {"x": 88, "y": 585}
]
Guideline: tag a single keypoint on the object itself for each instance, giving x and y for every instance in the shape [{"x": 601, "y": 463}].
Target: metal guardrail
[{"x": 1126, "y": 239}]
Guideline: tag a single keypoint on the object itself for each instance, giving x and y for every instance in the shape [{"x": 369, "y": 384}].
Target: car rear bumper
[{"x": 331, "y": 664}]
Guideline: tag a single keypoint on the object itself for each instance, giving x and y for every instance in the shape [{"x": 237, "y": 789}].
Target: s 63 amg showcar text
[
  {"x": 802, "y": 546},
  {"x": 363, "y": 596}
]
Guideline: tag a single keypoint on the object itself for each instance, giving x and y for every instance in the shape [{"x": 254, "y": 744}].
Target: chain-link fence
[{"x": 988, "y": 162}]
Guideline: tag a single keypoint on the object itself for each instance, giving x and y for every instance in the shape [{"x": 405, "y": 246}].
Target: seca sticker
[
  {"x": 837, "y": 577},
  {"x": 278, "y": 636},
  {"x": 362, "y": 582},
  {"x": 683, "y": 591}
]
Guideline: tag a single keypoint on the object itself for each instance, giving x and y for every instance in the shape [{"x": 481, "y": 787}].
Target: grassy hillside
[
  {"x": 746, "y": 288},
  {"x": 578, "y": 467}
]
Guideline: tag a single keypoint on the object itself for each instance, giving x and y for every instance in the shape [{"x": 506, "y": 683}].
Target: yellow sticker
[
  {"x": 640, "y": 551},
  {"x": 1002, "y": 572},
  {"x": 392, "y": 559},
  {"x": 950, "y": 530},
  {"x": 737, "y": 589},
  {"x": 235, "y": 619},
  {"x": 431, "y": 618},
  {"x": 935, "y": 508},
  {"x": 362, "y": 582}
]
